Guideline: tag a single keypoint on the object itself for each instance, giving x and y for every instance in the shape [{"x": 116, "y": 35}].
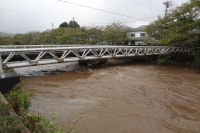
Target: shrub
[
  {"x": 19, "y": 99},
  {"x": 10, "y": 124}
]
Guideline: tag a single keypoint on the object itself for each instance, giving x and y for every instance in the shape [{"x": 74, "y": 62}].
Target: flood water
[{"x": 132, "y": 98}]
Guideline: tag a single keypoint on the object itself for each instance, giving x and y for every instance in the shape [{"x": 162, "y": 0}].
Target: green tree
[
  {"x": 73, "y": 24},
  {"x": 64, "y": 25},
  {"x": 115, "y": 34},
  {"x": 111, "y": 34},
  {"x": 73, "y": 36},
  {"x": 5, "y": 40},
  {"x": 95, "y": 35},
  {"x": 24, "y": 39},
  {"x": 181, "y": 27}
]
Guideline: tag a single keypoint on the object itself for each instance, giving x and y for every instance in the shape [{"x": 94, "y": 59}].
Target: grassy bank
[{"x": 19, "y": 101}]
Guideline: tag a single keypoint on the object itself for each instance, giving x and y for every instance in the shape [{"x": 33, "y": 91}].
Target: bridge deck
[
  {"x": 4, "y": 49},
  {"x": 47, "y": 54}
]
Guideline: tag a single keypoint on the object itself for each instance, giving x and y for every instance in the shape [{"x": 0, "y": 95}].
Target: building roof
[{"x": 140, "y": 28}]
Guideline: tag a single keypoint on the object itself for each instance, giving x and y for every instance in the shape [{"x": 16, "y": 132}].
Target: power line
[
  {"x": 140, "y": 19},
  {"x": 119, "y": 21},
  {"x": 111, "y": 12},
  {"x": 92, "y": 22},
  {"x": 98, "y": 9}
]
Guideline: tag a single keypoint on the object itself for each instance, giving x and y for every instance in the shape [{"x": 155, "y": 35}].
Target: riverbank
[{"x": 14, "y": 105}]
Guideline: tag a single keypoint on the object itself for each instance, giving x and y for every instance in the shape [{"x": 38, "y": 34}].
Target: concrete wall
[{"x": 7, "y": 83}]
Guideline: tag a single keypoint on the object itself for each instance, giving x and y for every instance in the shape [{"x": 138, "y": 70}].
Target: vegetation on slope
[
  {"x": 19, "y": 100},
  {"x": 72, "y": 33}
]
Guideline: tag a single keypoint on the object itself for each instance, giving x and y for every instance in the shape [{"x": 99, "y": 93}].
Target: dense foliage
[
  {"x": 64, "y": 25},
  {"x": 115, "y": 34},
  {"x": 181, "y": 27},
  {"x": 73, "y": 24},
  {"x": 5, "y": 40},
  {"x": 24, "y": 39},
  {"x": 72, "y": 33}
]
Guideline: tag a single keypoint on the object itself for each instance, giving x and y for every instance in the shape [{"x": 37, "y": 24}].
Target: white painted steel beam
[
  {"x": 1, "y": 69},
  {"x": 68, "y": 53}
]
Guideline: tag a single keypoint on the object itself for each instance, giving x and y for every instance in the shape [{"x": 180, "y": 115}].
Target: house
[{"x": 136, "y": 35}]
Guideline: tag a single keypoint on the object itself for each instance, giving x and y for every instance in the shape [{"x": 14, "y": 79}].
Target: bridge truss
[{"x": 32, "y": 55}]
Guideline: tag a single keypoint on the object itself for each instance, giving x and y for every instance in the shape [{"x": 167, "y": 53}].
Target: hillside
[{"x": 4, "y": 34}]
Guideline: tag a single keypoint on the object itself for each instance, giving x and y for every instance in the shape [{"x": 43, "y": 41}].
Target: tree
[
  {"x": 5, "y": 40},
  {"x": 74, "y": 24},
  {"x": 24, "y": 39},
  {"x": 73, "y": 36},
  {"x": 115, "y": 34},
  {"x": 64, "y": 25},
  {"x": 95, "y": 35},
  {"x": 181, "y": 27}
]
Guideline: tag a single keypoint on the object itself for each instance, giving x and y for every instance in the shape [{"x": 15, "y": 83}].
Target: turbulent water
[{"x": 133, "y": 98}]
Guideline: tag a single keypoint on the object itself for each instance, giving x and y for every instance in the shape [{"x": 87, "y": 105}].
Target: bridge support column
[
  {"x": 2, "y": 75},
  {"x": 7, "y": 80}
]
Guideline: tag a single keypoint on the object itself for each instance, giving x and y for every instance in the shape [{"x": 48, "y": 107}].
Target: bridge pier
[{"x": 7, "y": 80}]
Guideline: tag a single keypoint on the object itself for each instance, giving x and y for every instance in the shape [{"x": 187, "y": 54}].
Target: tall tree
[
  {"x": 64, "y": 25},
  {"x": 115, "y": 34},
  {"x": 73, "y": 24},
  {"x": 181, "y": 27}
]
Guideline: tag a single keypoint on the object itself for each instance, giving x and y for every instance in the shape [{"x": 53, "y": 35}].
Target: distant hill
[{"x": 4, "y": 34}]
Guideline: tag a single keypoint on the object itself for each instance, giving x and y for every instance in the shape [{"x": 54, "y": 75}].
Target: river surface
[{"x": 132, "y": 98}]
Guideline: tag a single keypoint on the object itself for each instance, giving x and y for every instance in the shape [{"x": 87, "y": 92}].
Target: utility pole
[
  {"x": 51, "y": 26},
  {"x": 73, "y": 22},
  {"x": 167, "y": 5}
]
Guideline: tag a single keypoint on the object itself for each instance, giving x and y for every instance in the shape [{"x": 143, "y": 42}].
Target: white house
[{"x": 136, "y": 35}]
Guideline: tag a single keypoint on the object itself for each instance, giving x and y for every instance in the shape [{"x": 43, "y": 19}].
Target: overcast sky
[{"x": 20, "y": 16}]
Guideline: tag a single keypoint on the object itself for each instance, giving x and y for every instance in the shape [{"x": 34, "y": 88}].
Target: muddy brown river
[{"x": 132, "y": 98}]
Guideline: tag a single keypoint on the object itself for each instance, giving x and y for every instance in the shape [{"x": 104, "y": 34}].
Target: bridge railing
[
  {"x": 49, "y": 54},
  {"x": 6, "y": 49},
  {"x": 33, "y": 46}
]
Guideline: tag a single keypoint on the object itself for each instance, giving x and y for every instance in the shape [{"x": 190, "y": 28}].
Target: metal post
[
  {"x": 1, "y": 69},
  {"x": 167, "y": 5}
]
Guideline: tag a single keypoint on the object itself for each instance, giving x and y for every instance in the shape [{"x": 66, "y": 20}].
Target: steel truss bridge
[{"x": 32, "y": 55}]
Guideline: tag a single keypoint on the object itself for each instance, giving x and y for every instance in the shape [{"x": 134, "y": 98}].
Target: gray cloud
[{"x": 19, "y": 16}]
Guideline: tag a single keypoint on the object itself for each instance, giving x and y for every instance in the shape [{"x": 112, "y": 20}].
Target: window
[
  {"x": 132, "y": 35},
  {"x": 142, "y": 34},
  {"x": 132, "y": 42}
]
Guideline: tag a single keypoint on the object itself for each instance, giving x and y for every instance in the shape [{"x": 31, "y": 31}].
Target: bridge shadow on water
[{"x": 126, "y": 61}]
